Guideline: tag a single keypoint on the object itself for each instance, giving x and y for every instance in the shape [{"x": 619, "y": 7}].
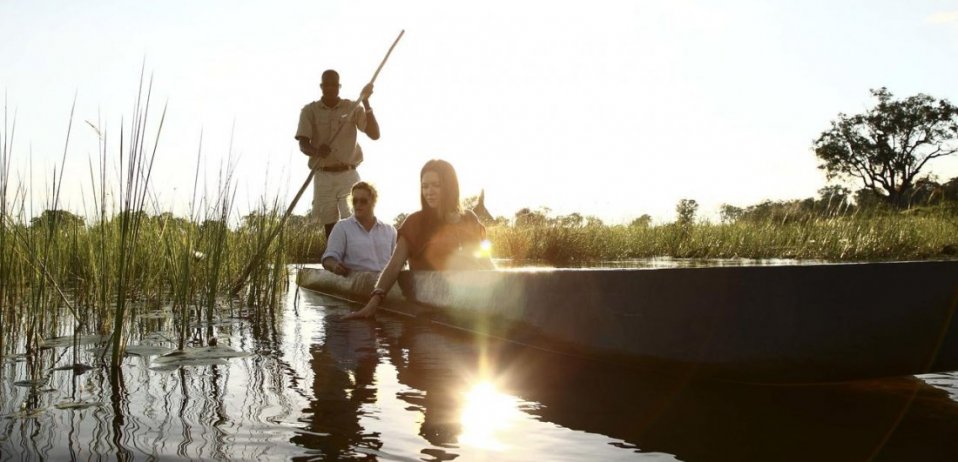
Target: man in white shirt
[{"x": 360, "y": 242}]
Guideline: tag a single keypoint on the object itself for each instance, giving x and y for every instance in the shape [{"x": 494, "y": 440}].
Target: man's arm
[
  {"x": 385, "y": 282},
  {"x": 336, "y": 251},
  {"x": 304, "y": 133},
  {"x": 333, "y": 265},
  {"x": 372, "y": 125},
  {"x": 305, "y": 147}
]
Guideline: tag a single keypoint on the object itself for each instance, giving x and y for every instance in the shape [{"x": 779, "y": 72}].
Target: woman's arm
[{"x": 386, "y": 280}]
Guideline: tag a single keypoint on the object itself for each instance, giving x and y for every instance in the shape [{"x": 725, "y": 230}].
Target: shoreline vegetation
[{"x": 784, "y": 232}]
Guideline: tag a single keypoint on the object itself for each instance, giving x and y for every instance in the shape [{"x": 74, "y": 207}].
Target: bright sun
[{"x": 486, "y": 414}]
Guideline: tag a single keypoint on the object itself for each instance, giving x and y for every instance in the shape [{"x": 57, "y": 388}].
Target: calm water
[{"x": 315, "y": 388}]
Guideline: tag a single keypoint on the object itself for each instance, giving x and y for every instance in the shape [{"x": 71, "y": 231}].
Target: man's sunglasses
[{"x": 360, "y": 201}]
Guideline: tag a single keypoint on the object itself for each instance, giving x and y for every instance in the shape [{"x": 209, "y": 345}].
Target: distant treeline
[{"x": 839, "y": 201}]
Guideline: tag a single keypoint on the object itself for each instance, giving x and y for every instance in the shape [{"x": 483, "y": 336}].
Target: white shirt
[{"x": 358, "y": 249}]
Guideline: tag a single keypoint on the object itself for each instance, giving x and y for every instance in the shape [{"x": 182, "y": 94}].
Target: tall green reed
[
  {"x": 6, "y": 144},
  {"x": 133, "y": 193}
]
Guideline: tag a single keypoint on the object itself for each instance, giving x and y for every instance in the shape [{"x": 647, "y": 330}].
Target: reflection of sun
[{"x": 486, "y": 413}]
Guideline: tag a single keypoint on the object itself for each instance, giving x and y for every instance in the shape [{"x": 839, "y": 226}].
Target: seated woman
[{"x": 440, "y": 236}]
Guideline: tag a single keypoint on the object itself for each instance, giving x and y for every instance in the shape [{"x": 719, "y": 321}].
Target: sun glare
[
  {"x": 485, "y": 249},
  {"x": 486, "y": 415}
]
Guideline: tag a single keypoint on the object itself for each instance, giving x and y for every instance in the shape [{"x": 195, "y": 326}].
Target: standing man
[
  {"x": 360, "y": 242},
  {"x": 335, "y": 163}
]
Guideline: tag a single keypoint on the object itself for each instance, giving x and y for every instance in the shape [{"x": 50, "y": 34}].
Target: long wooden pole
[{"x": 241, "y": 280}]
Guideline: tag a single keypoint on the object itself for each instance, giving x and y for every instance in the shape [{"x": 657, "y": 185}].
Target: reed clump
[{"x": 63, "y": 274}]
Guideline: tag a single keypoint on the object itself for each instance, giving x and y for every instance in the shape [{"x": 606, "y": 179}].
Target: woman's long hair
[{"x": 448, "y": 195}]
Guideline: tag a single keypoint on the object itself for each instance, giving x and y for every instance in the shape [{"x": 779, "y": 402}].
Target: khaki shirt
[{"x": 318, "y": 123}]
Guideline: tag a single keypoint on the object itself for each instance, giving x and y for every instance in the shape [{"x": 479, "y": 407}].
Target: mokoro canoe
[{"x": 790, "y": 323}]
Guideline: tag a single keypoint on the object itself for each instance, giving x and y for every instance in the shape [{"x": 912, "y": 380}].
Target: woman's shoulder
[
  {"x": 412, "y": 219},
  {"x": 411, "y": 224}
]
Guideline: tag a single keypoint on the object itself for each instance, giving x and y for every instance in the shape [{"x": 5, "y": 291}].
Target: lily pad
[
  {"x": 30, "y": 383},
  {"x": 76, "y": 368},
  {"x": 156, "y": 315},
  {"x": 173, "y": 365},
  {"x": 217, "y": 323},
  {"x": 76, "y": 405},
  {"x": 67, "y": 340},
  {"x": 26, "y": 413},
  {"x": 147, "y": 350},
  {"x": 213, "y": 355},
  {"x": 156, "y": 337}
]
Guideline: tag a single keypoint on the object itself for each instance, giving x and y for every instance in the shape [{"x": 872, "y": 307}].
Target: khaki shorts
[{"x": 330, "y": 191}]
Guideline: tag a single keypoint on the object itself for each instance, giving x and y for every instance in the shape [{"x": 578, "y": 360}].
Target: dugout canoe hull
[{"x": 792, "y": 323}]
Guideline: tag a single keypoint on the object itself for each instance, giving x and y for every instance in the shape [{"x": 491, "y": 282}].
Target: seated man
[{"x": 360, "y": 242}]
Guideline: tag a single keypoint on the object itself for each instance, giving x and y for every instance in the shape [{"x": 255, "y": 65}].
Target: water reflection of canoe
[
  {"x": 881, "y": 420},
  {"x": 760, "y": 323}
]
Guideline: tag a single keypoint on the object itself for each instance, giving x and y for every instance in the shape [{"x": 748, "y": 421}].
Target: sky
[{"x": 612, "y": 109}]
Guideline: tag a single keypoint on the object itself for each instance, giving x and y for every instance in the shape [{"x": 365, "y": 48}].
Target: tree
[
  {"x": 730, "y": 213},
  {"x": 59, "y": 219},
  {"x": 572, "y": 220},
  {"x": 527, "y": 218},
  {"x": 927, "y": 191},
  {"x": 642, "y": 222},
  {"x": 400, "y": 219},
  {"x": 593, "y": 221},
  {"x": 685, "y": 211},
  {"x": 835, "y": 200},
  {"x": 950, "y": 190},
  {"x": 888, "y": 145}
]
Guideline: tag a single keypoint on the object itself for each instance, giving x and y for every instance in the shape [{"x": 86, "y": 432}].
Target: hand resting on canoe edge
[{"x": 441, "y": 236}]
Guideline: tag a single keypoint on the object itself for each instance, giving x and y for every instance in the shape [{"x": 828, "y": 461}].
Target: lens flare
[
  {"x": 487, "y": 414},
  {"x": 485, "y": 249}
]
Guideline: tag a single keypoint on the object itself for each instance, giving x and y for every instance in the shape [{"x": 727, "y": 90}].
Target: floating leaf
[
  {"x": 76, "y": 368},
  {"x": 26, "y": 413},
  {"x": 156, "y": 315},
  {"x": 147, "y": 350},
  {"x": 306, "y": 432},
  {"x": 76, "y": 405},
  {"x": 213, "y": 355},
  {"x": 217, "y": 323},
  {"x": 30, "y": 383},
  {"x": 67, "y": 340},
  {"x": 173, "y": 365},
  {"x": 156, "y": 337}
]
